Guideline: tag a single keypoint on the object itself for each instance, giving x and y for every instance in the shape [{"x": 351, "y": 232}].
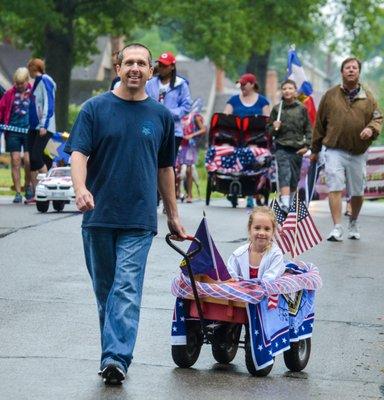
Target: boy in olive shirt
[{"x": 292, "y": 138}]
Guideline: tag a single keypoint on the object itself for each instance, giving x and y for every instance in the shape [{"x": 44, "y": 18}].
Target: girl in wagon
[{"x": 260, "y": 257}]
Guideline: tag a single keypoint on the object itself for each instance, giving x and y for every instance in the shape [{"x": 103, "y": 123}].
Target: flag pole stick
[
  {"x": 297, "y": 215},
  {"x": 279, "y": 112}
]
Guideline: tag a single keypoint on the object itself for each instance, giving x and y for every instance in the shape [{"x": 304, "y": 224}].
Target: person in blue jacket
[
  {"x": 42, "y": 123},
  {"x": 172, "y": 91}
]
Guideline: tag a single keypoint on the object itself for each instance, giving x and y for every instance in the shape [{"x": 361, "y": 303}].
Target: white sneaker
[
  {"x": 353, "y": 230},
  {"x": 336, "y": 234}
]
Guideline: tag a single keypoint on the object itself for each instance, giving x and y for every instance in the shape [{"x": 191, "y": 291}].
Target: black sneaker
[{"x": 113, "y": 375}]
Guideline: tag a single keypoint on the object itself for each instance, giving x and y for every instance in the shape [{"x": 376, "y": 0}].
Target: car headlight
[{"x": 40, "y": 186}]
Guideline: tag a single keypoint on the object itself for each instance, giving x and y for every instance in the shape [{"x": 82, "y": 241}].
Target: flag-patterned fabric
[
  {"x": 304, "y": 88},
  {"x": 228, "y": 159},
  {"x": 306, "y": 276}
]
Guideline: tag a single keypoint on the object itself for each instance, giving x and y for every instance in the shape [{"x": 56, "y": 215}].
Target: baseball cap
[
  {"x": 247, "y": 78},
  {"x": 167, "y": 58}
]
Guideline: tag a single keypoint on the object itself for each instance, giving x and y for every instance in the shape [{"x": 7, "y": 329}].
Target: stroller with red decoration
[
  {"x": 212, "y": 309},
  {"x": 238, "y": 159}
]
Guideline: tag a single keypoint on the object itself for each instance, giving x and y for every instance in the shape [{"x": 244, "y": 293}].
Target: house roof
[{"x": 11, "y": 59}]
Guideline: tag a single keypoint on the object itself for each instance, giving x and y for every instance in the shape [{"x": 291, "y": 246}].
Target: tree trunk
[
  {"x": 59, "y": 48},
  {"x": 258, "y": 65}
]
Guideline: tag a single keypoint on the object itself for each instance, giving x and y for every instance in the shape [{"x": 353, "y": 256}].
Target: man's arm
[
  {"x": 84, "y": 198},
  {"x": 374, "y": 127},
  {"x": 319, "y": 130},
  {"x": 166, "y": 183}
]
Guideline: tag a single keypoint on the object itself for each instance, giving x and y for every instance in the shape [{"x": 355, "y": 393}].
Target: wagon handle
[
  {"x": 187, "y": 256},
  {"x": 169, "y": 237}
]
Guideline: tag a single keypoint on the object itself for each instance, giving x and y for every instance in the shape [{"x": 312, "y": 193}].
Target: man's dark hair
[
  {"x": 349, "y": 59},
  {"x": 120, "y": 54},
  {"x": 290, "y": 81}
]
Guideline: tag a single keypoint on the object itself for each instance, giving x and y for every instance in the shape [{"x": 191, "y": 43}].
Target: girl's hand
[{"x": 188, "y": 137}]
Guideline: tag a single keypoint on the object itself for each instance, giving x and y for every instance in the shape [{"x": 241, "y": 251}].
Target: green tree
[
  {"x": 238, "y": 33},
  {"x": 279, "y": 23},
  {"x": 64, "y": 33},
  {"x": 208, "y": 28}
]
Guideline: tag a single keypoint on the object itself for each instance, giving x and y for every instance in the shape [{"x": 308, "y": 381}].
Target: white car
[{"x": 55, "y": 186}]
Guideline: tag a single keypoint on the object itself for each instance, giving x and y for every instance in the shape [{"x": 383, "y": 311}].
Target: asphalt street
[{"x": 49, "y": 339}]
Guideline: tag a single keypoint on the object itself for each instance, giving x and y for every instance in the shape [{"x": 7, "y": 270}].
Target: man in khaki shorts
[{"x": 347, "y": 122}]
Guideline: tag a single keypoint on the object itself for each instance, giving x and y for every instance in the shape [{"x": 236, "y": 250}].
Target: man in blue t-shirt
[{"x": 122, "y": 148}]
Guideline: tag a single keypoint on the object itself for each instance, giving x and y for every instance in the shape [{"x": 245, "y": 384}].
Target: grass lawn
[{"x": 6, "y": 182}]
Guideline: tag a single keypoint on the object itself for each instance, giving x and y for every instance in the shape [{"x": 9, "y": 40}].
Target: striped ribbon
[
  {"x": 11, "y": 128},
  {"x": 250, "y": 291}
]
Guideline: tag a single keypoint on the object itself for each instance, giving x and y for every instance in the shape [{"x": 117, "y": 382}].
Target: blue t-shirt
[
  {"x": 126, "y": 141},
  {"x": 241, "y": 110}
]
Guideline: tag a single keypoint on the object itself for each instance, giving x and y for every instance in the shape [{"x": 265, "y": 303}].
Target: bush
[{"x": 74, "y": 110}]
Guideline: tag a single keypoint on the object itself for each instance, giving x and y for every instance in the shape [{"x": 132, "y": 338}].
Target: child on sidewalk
[
  {"x": 292, "y": 137},
  {"x": 261, "y": 257}
]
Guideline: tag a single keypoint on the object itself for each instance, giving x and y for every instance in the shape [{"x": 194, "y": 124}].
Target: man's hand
[
  {"x": 84, "y": 200},
  {"x": 42, "y": 132},
  {"x": 302, "y": 151},
  {"x": 276, "y": 125},
  {"x": 366, "y": 134},
  {"x": 176, "y": 229},
  {"x": 314, "y": 157}
]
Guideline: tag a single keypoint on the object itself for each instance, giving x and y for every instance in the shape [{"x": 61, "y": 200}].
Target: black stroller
[{"x": 238, "y": 159}]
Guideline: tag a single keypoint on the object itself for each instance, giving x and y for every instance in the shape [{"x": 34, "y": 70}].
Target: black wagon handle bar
[
  {"x": 169, "y": 237},
  {"x": 187, "y": 256}
]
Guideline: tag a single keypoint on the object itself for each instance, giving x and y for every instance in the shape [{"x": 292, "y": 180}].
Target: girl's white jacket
[{"x": 271, "y": 266}]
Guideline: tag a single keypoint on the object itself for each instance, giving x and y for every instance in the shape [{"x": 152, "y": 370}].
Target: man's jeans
[{"x": 116, "y": 260}]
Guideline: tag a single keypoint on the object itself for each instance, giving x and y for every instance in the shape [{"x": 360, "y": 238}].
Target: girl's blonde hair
[
  {"x": 264, "y": 210},
  {"x": 21, "y": 75}
]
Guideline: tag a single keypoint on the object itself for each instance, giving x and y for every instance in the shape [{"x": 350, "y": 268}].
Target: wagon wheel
[
  {"x": 185, "y": 356},
  {"x": 226, "y": 342},
  {"x": 249, "y": 360},
  {"x": 297, "y": 357}
]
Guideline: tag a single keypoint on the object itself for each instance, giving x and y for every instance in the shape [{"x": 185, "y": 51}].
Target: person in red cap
[
  {"x": 172, "y": 91},
  {"x": 248, "y": 103}
]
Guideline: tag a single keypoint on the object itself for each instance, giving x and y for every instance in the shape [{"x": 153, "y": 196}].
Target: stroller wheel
[
  {"x": 296, "y": 358},
  {"x": 226, "y": 342},
  {"x": 186, "y": 355}
]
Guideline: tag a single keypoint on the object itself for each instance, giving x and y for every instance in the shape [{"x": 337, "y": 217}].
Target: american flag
[
  {"x": 280, "y": 238},
  {"x": 298, "y": 231}
]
